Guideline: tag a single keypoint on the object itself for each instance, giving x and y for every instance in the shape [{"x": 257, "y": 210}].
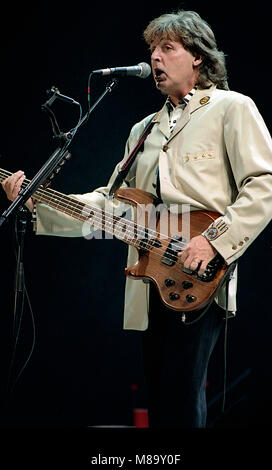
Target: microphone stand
[{"x": 22, "y": 212}]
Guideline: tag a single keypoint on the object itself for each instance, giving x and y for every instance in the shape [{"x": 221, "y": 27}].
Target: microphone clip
[{"x": 55, "y": 94}]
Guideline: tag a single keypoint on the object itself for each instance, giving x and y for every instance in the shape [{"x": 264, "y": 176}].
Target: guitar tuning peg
[{"x": 46, "y": 183}]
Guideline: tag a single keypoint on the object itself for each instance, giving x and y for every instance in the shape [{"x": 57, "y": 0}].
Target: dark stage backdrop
[{"x": 83, "y": 363}]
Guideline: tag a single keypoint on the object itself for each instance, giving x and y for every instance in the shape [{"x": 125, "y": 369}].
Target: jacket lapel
[
  {"x": 163, "y": 122},
  {"x": 200, "y": 99}
]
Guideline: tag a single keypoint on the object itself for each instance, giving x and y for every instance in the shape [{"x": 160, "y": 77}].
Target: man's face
[{"x": 174, "y": 68}]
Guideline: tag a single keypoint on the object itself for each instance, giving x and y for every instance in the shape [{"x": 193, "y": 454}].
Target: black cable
[
  {"x": 17, "y": 329},
  {"x": 32, "y": 346},
  {"x": 89, "y": 92},
  {"x": 225, "y": 343}
]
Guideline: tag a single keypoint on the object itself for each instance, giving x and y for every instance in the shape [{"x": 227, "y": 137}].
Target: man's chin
[{"x": 161, "y": 87}]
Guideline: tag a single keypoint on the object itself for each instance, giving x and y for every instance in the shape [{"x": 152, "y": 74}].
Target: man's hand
[
  {"x": 198, "y": 254},
  {"x": 12, "y": 186}
]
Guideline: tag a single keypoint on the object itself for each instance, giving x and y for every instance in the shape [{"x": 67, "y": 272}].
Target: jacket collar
[{"x": 201, "y": 98}]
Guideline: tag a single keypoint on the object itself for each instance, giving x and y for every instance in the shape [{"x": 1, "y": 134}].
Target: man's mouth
[{"x": 159, "y": 75}]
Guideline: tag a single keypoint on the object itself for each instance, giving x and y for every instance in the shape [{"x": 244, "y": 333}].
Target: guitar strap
[{"x": 122, "y": 173}]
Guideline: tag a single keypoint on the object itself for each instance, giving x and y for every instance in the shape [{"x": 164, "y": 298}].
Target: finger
[
  {"x": 18, "y": 184},
  {"x": 18, "y": 173},
  {"x": 13, "y": 187},
  {"x": 17, "y": 176},
  {"x": 191, "y": 263},
  {"x": 195, "y": 264},
  {"x": 11, "y": 180},
  {"x": 202, "y": 268},
  {"x": 183, "y": 256}
]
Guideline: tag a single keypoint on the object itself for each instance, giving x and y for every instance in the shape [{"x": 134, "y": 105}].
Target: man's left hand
[{"x": 198, "y": 254}]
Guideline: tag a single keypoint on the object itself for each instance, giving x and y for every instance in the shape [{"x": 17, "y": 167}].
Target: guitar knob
[
  {"x": 174, "y": 296},
  {"x": 169, "y": 282},
  {"x": 187, "y": 284},
  {"x": 190, "y": 298}
]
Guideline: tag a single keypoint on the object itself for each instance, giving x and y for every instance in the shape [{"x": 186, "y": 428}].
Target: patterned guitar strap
[{"x": 132, "y": 156}]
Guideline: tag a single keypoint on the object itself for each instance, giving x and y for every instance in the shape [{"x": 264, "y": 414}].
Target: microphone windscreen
[{"x": 146, "y": 70}]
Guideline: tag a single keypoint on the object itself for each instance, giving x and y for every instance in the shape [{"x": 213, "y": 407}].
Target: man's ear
[{"x": 197, "y": 61}]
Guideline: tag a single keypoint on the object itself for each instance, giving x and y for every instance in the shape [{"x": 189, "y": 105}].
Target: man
[{"x": 208, "y": 148}]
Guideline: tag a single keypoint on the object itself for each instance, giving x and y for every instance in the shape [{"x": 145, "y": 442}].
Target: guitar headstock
[{"x": 48, "y": 181}]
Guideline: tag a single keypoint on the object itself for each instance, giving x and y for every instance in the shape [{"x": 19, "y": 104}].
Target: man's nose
[{"x": 155, "y": 54}]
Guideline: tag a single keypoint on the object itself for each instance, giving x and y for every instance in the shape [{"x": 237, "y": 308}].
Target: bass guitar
[{"x": 180, "y": 289}]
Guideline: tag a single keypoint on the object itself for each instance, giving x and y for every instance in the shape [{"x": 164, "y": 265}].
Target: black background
[{"x": 83, "y": 364}]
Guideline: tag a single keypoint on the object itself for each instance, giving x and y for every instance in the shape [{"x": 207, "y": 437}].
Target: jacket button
[
  {"x": 234, "y": 247},
  {"x": 165, "y": 147}
]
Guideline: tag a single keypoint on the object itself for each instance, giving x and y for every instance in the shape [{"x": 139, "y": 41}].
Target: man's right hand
[{"x": 12, "y": 186}]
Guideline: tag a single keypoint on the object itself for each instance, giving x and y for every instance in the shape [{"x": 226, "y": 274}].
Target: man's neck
[{"x": 176, "y": 98}]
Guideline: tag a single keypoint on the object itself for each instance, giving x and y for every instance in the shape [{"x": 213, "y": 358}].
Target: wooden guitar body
[{"x": 179, "y": 290}]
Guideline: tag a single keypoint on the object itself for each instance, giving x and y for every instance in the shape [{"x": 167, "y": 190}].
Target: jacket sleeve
[{"x": 249, "y": 148}]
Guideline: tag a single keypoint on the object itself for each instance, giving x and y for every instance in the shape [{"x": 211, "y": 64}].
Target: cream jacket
[{"x": 218, "y": 158}]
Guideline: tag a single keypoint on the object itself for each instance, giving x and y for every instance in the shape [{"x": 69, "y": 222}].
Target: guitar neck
[{"x": 123, "y": 229}]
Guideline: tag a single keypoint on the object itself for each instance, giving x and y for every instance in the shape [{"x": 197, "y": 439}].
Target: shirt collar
[{"x": 183, "y": 102}]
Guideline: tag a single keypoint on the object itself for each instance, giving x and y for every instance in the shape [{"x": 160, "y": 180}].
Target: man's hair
[{"x": 198, "y": 38}]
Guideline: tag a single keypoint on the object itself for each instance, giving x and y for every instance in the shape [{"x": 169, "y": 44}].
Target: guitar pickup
[
  {"x": 187, "y": 270},
  {"x": 146, "y": 243},
  {"x": 170, "y": 256}
]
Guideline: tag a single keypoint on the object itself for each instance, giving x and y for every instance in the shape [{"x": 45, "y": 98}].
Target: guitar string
[
  {"x": 107, "y": 216},
  {"x": 76, "y": 205},
  {"x": 130, "y": 227},
  {"x": 111, "y": 226},
  {"x": 108, "y": 220},
  {"x": 130, "y": 234}
]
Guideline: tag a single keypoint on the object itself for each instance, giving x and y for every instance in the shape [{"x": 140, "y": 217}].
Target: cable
[
  {"x": 17, "y": 329},
  {"x": 74, "y": 129},
  {"x": 32, "y": 346},
  {"x": 89, "y": 92},
  {"x": 225, "y": 344}
]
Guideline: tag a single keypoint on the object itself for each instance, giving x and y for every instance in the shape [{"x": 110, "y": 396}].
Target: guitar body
[{"x": 179, "y": 290}]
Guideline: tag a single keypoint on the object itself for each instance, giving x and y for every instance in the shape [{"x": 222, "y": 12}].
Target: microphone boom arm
[{"x": 54, "y": 160}]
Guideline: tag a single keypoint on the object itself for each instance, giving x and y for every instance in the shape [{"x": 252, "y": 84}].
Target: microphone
[{"x": 141, "y": 70}]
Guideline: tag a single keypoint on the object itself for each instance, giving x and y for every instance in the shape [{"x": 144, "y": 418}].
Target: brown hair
[{"x": 197, "y": 37}]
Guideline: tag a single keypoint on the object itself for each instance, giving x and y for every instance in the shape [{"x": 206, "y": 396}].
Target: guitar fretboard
[{"x": 121, "y": 228}]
